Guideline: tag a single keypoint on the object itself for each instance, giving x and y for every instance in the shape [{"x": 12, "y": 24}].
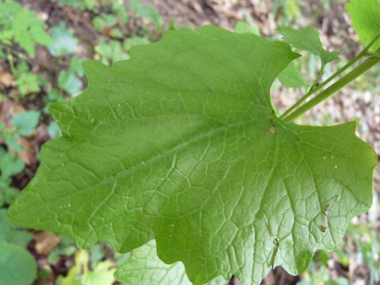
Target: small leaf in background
[
  {"x": 96, "y": 254},
  {"x": 74, "y": 3},
  {"x": 104, "y": 21},
  {"x": 122, "y": 14},
  {"x": 7, "y": 193},
  {"x": 243, "y": 27},
  {"x": 291, "y": 77},
  {"x": 17, "y": 265},
  {"x": 308, "y": 40},
  {"x": 11, "y": 140},
  {"x": 53, "y": 257},
  {"x": 21, "y": 68},
  {"x": 365, "y": 17},
  {"x": 23, "y": 27},
  {"x": 81, "y": 274},
  {"x": 147, "y": 12},
  {"x": 53, "y": 130},
  {"x": 342, "y": 257},
  {"x": 80, "y": 267},
  {"x": 323, "y": 257},
  {"x": 10, "y": 165},
  {"x": 134, "y": 41},
  {"x": 20, "y": 23},
  {"x": 26, "y": 122},
  {"x": 110, "y": 52},
  {"x": 99, "y": 23},
  {"x": 40, "y": 36},
  {"x": 68, "y": 81},
  {"x": 121, "y": 257},
  {"x": 66, "y": 247},
  {"x": 44, "y": 274},
  {"x": 11, "y": 234},
  {"x": 81, "y": 5},
  {"x": 64, "y": 41},
  {"x": 28, "y": 83},
  {"x": 52, "y": 97},
  {"x": 103, "y": 274},
  {"x": 144, "y": 267}
]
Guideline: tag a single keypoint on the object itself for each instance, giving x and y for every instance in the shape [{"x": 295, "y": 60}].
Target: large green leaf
[
  {"x": 365, "y": 16},
  {"x": 180, "y": 144}
]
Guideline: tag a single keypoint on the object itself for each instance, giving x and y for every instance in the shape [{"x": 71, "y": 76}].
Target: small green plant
[
  {"x": 117, "y": 48},
  {"x": 23, "y": 124},
  {"x": 81, "y": 4},
  {"x": 102, "y": 273},
  {"x": 64, "y": 42},
  {"x": 70, "y": 79},
  {"x": 27, "y": 82},
  {"x": 111, "y": 22},
  {"x": 108, "y": 52},
  {"x": 367, "y": 243},
  {"x": 22, "y": 27},
  {"x": 181, "y": 144},
  {"x": 14, "y": 256},
  {"x": 10, "y": 164}
]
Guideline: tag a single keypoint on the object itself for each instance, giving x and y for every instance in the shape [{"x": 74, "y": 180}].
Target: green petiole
[{"x": 293, "y": 112}]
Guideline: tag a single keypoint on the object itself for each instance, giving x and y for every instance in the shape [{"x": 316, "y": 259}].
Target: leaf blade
[
  {"x": 180, "y": 144},
  {"x": 308, "y": 40},
  {"x": 365, "y": 16}
]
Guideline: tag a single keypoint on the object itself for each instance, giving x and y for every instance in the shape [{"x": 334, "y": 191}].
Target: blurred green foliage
[
  {"x": 22, "y": 27},
  {"x": 64, "y": 42},
  {"x": 13, "y": 256}
]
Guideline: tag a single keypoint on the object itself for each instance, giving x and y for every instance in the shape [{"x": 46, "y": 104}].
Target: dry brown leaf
[
  {"x": 7, "y": 79},
  {"x": 9, "y": 109},
  {"x": 29, "y": 153},
  {"x": 46, "y": 241}
]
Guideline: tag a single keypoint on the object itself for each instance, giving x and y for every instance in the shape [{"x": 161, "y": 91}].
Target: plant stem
[
  {"x": 324, "y": 83},
  {"x": 318, "y": 78},
  {"x": 328, "y": 92},
  {"x": 10, "y": 62},
  {"x": 312, "y": 90}
]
